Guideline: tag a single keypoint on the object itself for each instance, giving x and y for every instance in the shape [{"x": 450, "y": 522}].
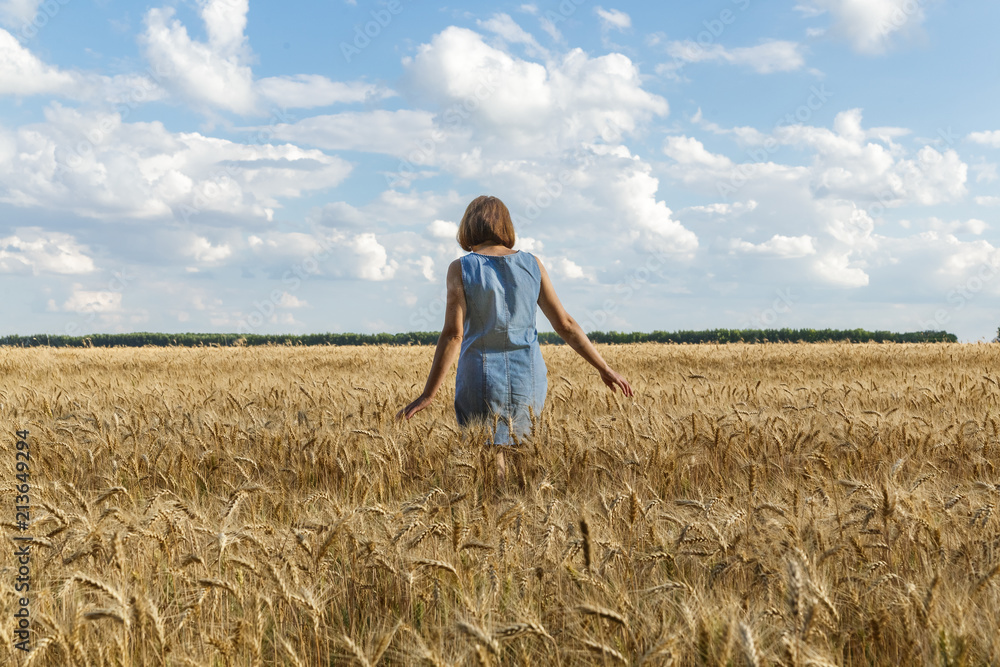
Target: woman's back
[
  {"x": 500, "y": 369},
  {"x": 489, "y": 324}
]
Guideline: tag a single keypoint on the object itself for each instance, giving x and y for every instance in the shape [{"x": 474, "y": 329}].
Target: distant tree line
[{"x": 142, "y": 339}]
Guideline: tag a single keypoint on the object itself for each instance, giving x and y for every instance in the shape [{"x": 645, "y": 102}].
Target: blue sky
[{"x": 219, "y": 165}]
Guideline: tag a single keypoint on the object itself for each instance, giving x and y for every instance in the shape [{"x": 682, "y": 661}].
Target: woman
[{"x": 489, "y": 324}]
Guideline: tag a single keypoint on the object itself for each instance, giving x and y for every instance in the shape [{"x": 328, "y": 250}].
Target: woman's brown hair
[{"x": 486, "y": 220}]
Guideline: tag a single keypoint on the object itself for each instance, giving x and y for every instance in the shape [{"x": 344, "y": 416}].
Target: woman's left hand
[{"x": 414, "y": 407}]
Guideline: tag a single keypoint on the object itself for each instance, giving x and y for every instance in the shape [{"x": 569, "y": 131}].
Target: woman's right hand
[
  {"x": 414, "y": 407},
  {"x": 613, "y": 379}
]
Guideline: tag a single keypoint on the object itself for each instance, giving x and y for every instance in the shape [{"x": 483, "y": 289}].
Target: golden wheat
[{"x": 768, "y": 504}]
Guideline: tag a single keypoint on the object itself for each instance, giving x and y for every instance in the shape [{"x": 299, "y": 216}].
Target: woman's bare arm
[
  {"x": 571, "y": 332},
  {"x": 449, "y": 342}
]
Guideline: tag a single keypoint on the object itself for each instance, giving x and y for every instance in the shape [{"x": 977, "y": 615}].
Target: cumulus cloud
[
  {"x": 520, "y": 105},
  {"x": 92, "y": 301},
  {"x": 17, "y": 13},
  {"x": 304, "y": 91},
  {"x": 95, "y": 165},
  {"x": 22, "y": 73},
  {"x": 723, "y": 209},
  {"x": 689, "y": 151},
  {"x": 216, "y": 74},
  {"x": 397, "y": 132},
  {"x": 333, "y": 254},
  {"x": 613, "y": 19},
  {"x": 203, "y": 251},
  {"x": 869, "y": 25},
  {"x": 989, "y": 138},
  {"x": 765, "y": 58},
  {"x": 36, "y": 250},
  {"x": 291, "y": 301},
  {"x": 778, "y": 246},
  {"x": 973, "y": 226},
  {"x": 564, "y": 267},
  {"x": 819, "y": 214},
  {"x": 509, "y": 31},
  {"x": 634, "y": 193},
  {"x": 836, "y": 268},
  {"x": 442, "y": 229},
  {"x": 849, "y": 164}
]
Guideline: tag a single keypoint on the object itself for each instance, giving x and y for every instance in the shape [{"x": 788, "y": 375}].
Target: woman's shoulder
[{"x": 530, "y": 258}]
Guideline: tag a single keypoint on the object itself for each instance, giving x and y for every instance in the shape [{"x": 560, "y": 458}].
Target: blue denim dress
[{"x": 500, "y": 368}]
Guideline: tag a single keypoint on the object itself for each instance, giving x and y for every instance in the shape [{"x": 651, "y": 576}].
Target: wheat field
[{"x": 751, "y": 505}]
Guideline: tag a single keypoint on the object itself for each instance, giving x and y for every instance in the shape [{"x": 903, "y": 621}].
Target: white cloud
[
  {"x": 847, "y": 164},
  {"x": 335, "y": 254},
  {"x": 426, "y": 264},
  {"x": 95, "y": 165},
  {"x": 371, "y": 257},
  {"x": 835, "y": 268},
  {"x": 767, "y": 57},
  {"x": 613, "y": 19},
  {"x": 290, "y": 301},
  {"x": 339, "y": 214},
  {"x": 723, "y": 209},
  {"x": 17, "y": 13},
  {"x": 442, "y": 229},
  {"x": 690, "y": 151},
  {"x": 550, "y": 28},
  {"x": 989, "y": 138},
  {"x": 203, "y": 251},
  {"x": 22, "y": 73},
  {"x": 215, "y": 74},
  {"x": 39, "y": 251},
  {"x": 633, "y": 193},
  {"x": 869, "y": 25},
  {"x": 398, "y": 132},
  {"x": 565, "y": 268},
  {"x": 87, "y": 301},
  {"x": 528, "y": 244},
  {"x": 786, "y": 247},
  {"x": 521, "y": 107},
  {"x": 988, "y": 201},
  {"x": 305, "y": 91},
  {"x": 973, "y": 226},
  {"x": 986, "y": 172},
  {"x": 509, "y": 31}
]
